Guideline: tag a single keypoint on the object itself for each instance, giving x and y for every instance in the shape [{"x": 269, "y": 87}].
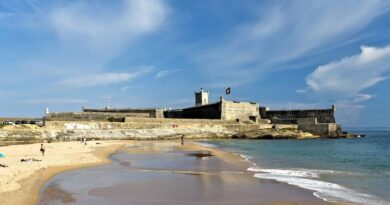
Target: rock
[{"x": 274, "y": 134}]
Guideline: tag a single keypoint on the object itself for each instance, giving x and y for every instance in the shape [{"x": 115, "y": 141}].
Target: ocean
[{"x": 336, "y": 170}]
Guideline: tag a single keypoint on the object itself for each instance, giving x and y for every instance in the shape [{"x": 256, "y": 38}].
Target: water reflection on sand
[{"x": 159, "y": 173}]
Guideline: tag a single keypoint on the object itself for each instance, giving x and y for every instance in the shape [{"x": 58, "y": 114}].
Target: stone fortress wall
[
  {"x": 107, "y": 115},
  {"x": 224, "y": 114},
  {"x": 292, "y": 116},
  {"x": 241, "y": 111},
  {"x": 207, "y": 111},
  {"x": 222, "y": 110}
]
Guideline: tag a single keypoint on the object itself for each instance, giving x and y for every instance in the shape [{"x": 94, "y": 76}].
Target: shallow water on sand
[
  {"x": 149, "y": 176},
  {"x": 342, "y": 170}
]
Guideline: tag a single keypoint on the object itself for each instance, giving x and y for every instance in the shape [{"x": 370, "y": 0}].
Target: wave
[
  {"x": 309, "y": 179},
  {"x": 308, "y": 173},
  {"x": 205, "y": 144},
  {"x": 248, "y": 159}
]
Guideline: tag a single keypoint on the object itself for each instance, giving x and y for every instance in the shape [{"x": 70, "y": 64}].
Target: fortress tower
[{"x": 201, "y": 97}]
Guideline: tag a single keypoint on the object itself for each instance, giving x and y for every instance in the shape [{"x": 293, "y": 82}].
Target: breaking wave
[
  {"x": 205, "y": 144},
  {"x": 310, "y": 179}
]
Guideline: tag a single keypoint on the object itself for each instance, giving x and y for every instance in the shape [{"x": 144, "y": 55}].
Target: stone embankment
[{"x": 149, "y": 129}]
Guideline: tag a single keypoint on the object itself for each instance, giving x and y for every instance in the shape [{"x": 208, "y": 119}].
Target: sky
[{"x": 66, "y": 54}]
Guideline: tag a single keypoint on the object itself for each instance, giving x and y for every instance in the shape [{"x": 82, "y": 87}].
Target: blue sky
[{"x": 155, "y": 53}]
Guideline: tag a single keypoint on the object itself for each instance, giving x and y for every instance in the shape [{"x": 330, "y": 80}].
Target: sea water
[{"x": 337, "y": 170}]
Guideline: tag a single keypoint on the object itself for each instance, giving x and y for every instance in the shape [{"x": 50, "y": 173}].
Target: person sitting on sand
[{"x": 42, "y": 150}]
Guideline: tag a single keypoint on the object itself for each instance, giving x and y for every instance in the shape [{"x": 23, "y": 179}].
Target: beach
[
  {"x": 137, "y": 172},
  {"x": 21, "y": 181}
]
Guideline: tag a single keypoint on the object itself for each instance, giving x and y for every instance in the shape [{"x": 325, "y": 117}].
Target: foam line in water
[
  {"x": 308, "y": 173},
  {"x": 205, "y": 144},
  {"x": 324, "y": 190},
  {"x": 248, "y": 159}
]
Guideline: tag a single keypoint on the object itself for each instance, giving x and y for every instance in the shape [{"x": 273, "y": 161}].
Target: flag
[{"x": 227, "y": 91}]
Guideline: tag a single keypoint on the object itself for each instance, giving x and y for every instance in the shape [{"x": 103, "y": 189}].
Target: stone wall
[
  {"x": 293, "y": 116},
  {"x": 224, "y": 110},
  {"x": 103, "y": 116},
  {"x": 150, "y": 112},
  {"x": 323, "y": 129},
  {"x": 210, "y": 111},
  {"x": 82, "y": 116},
  {"x": 241, "y": 111},
  {"x": 143, "y": 128}
]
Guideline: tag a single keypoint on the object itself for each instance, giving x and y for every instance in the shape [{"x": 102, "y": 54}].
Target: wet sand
[{"x": 157, "y": 173}]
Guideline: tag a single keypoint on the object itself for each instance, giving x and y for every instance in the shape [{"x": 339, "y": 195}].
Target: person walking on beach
[
  {"x": 182, "y": 140},
  {"x": 42, "y": 150}
]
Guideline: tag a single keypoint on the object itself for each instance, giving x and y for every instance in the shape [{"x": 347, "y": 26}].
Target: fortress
[{"x": 231, "y": 115}]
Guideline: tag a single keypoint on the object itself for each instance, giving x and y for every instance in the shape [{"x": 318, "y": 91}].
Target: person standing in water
[{"x": 42, "y": 150}]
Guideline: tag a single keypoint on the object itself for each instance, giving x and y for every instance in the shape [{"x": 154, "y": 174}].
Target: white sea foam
[
  {"x": 309, "y": 179},
  {"x": 205, "y": 144},
  {"x": 248, "y": 159},
  {"x": 308, "y": 173}
]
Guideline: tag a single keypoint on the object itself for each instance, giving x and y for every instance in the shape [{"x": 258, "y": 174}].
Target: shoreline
[
  {"x": 304, "y": 178},
  {"x": 198, "y": 180},
  {"x": 31, "y": 185}
]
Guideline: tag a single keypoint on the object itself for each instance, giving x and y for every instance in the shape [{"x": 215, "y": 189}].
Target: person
[
  {"x": 42, "y": 150},
  {"x": 182, "y": 140}
]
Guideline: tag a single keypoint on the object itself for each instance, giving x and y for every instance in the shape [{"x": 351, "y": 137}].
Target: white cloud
[
  {"x": 89, "y": 34},
  {"x": 359, "y": 98},
  {"x": 344, "y": 80},
  {"x": 285, "y": 32},
  {"x": 124, "y": 88},
  {"x": 164, "y": 73},
  {"x": 351, "y": 75},
  {"x": 106, "y": 27},
  {"x": 91, "y": 80},
  {"x": 350, "y": 109},
  {"x": 56, "y": 101},
  {"x": 304, "y": 90}
]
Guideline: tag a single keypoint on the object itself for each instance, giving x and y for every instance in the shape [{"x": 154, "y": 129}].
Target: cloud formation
[
  {"x": 352, "y": 108},
  {"x": 285, "y": 32},
  {"x": 351, "y": 75},
  {"x": 82, "y": 81},
  {"x": 57, "y": 101},
  {"x": 164, "y": 73},
  {"x": 102, "y": 28}
]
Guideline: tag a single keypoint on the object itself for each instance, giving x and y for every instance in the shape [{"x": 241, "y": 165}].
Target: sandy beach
[
  {"x": 21, "y": 181},
  {"x": 140, "y": 172}
]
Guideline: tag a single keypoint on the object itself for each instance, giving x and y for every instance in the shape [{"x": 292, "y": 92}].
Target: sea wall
[
  {"x": 292, "y": 116},
  {"x": 323, "y": 129},
  {"x": 142, "y": 129}
]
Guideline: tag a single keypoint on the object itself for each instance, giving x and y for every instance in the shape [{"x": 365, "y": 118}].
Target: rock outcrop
[{"x": 274, "y": 134}]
